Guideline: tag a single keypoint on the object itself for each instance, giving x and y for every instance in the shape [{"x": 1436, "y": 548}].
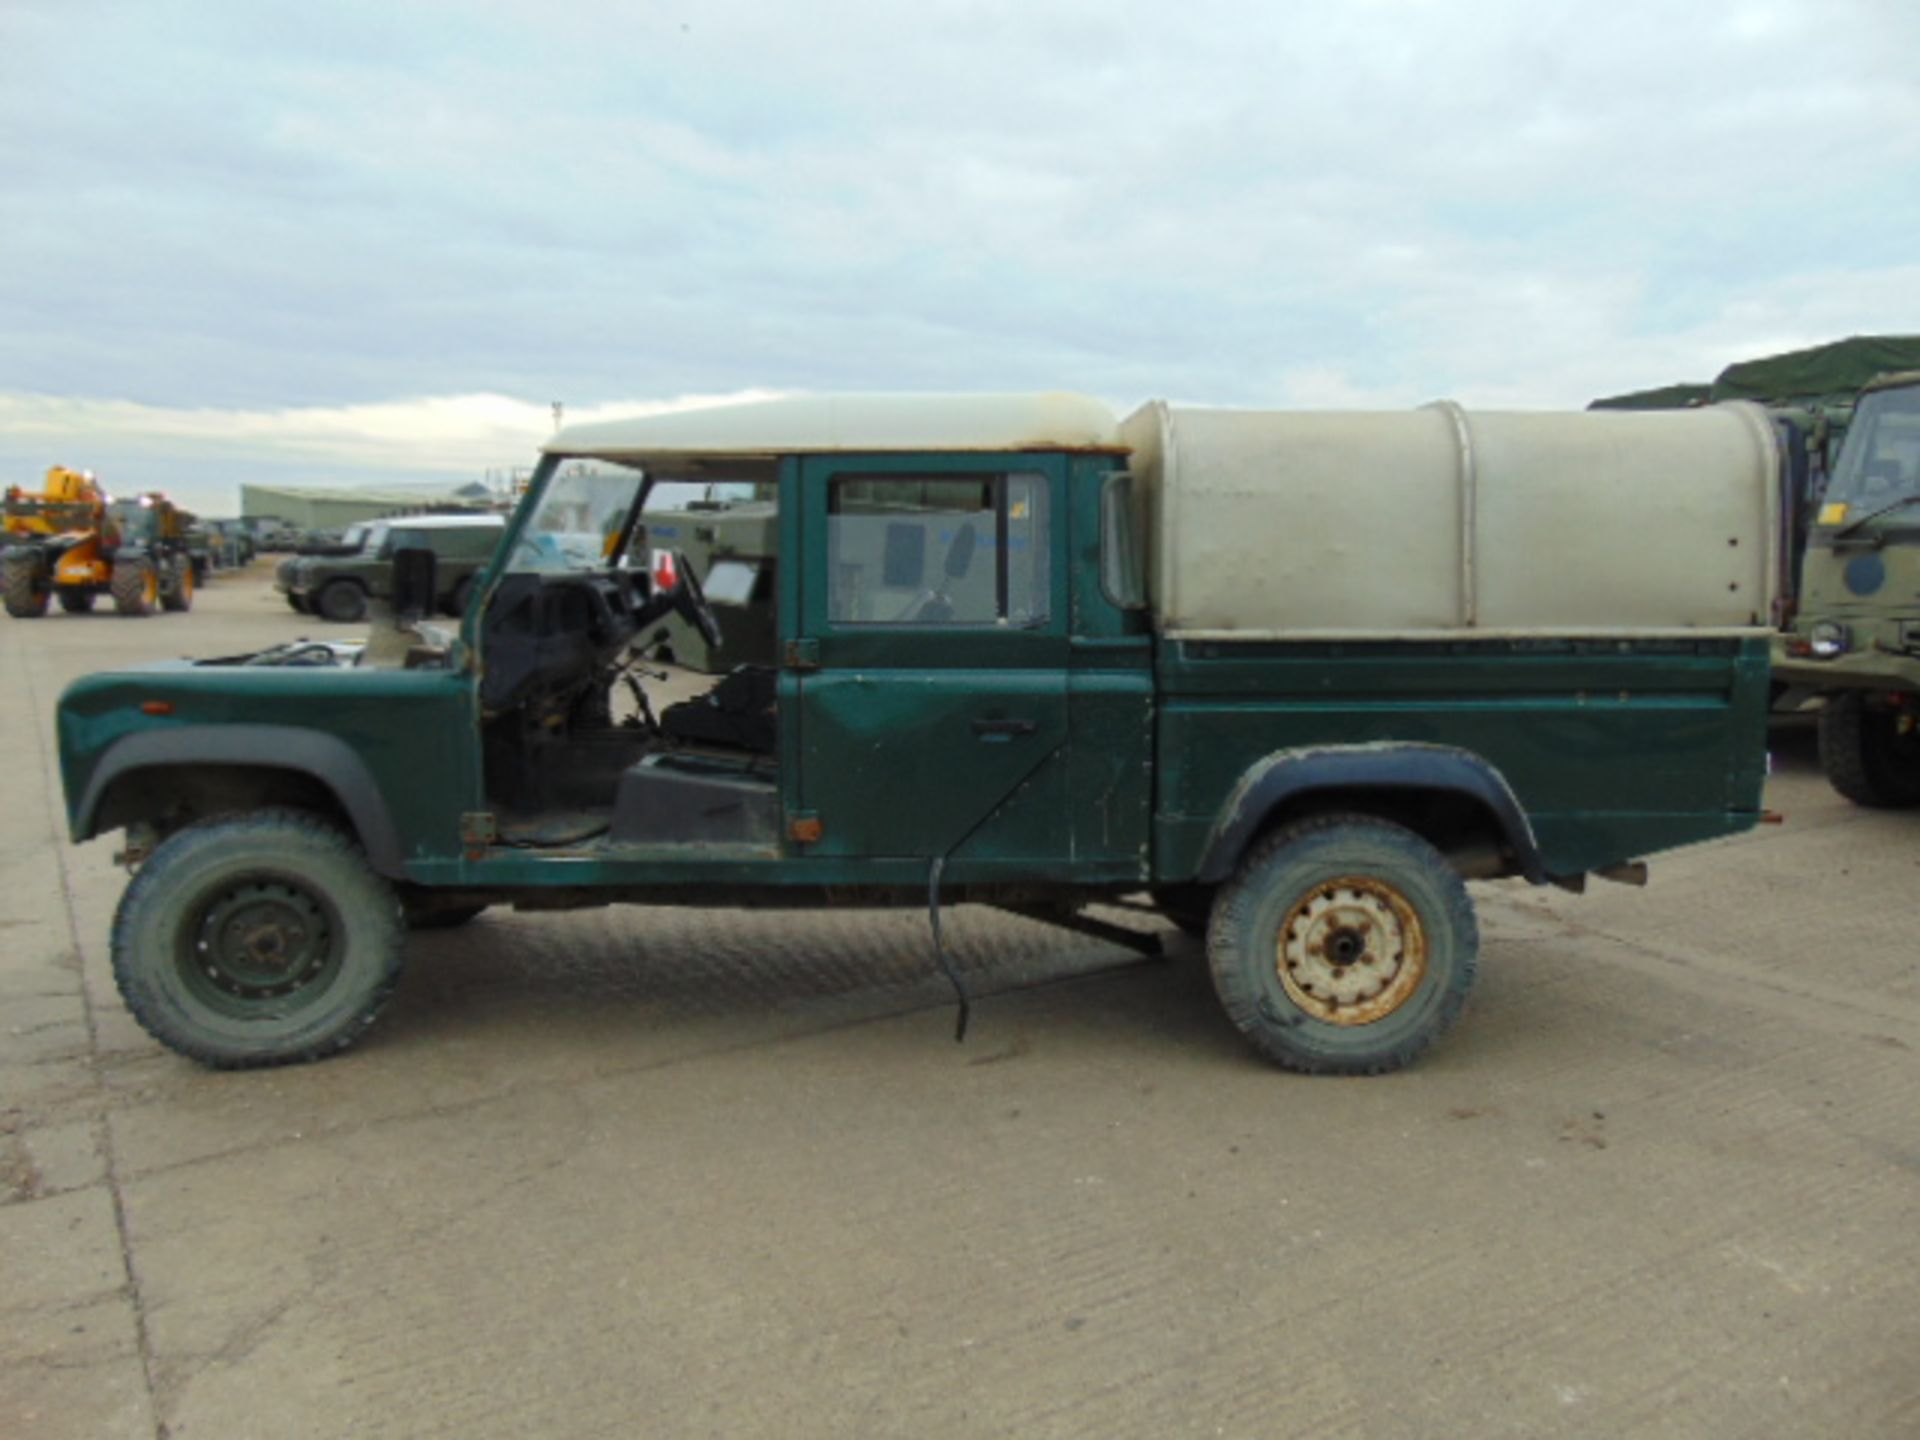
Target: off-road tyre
[
  {"x": 1871, "y": 754},
  {"x": 26, "y": 598},
  {"x": 254, "y": 940},
  {"x": 342, "y": 601},
  {"x": 1189, "y": 908},
  {"x": 462, "y": 595},
  {"x": 177, "y": 593},
  {"x": 77, "y": 602},
  {"x": 1323, "y": 882},
  {"x": 136, "y": 587}
]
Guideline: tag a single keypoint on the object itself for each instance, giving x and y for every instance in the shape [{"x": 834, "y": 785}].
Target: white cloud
[{"x": 301, "y": 214}]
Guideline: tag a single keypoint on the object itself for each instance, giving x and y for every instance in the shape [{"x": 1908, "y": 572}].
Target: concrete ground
[{"x": 664, "y": 1173}]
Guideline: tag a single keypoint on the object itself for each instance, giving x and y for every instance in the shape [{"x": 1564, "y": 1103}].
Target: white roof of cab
[
  {"x": 814, "y": 424},
  {"x": 480, "y": 521}
]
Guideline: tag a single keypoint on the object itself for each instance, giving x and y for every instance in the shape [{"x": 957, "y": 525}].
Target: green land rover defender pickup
[{"x": 1294, "y": 678}]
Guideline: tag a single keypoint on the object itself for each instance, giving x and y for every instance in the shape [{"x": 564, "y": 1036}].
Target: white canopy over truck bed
[{"x": 1268, "y": 524}]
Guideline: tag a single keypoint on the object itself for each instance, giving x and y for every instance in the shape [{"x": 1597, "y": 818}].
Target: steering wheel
[{"x": 691, "y": 602}]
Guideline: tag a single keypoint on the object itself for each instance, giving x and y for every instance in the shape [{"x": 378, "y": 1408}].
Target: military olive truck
[
  {"x": 1857, "y": 637},
  {"x": 342, "y": 587},
  {"x": 1295, "y": 678}
]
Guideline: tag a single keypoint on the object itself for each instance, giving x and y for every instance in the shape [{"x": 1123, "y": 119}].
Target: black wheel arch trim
[
  {"x": 326, "y": 758},
  {"x": 1288, "y": 774}
]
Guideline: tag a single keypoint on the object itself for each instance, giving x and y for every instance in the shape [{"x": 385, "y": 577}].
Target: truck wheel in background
[
  {"x": 462, "y": 594},
  {"x": 177, "y": 592},
  {"x": 77, "y": 602},
  {"x": 1871, "y": 754},
  {"x": 25, "y": 599},
  {"x": 1187, "y": 907},
  {"x": 342, "y": 601},
  {"x": 1345, "y": 945},
  {"x": 257, "y": 940},
  {"x": 136, "y": 587}
]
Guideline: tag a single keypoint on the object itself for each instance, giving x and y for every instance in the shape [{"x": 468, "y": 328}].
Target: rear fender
[{"x": 1344, "y": 774}]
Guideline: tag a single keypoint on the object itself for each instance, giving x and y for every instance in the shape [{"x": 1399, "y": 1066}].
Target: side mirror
[{"x": 415, "y": 583}]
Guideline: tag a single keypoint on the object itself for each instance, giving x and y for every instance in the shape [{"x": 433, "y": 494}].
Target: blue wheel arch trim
[
  {"x": 326, "y": 758},
  {"x": 1289, "y": 774}
]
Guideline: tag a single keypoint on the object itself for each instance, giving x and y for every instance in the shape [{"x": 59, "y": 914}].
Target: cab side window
[{"x": 938, "y": 550}]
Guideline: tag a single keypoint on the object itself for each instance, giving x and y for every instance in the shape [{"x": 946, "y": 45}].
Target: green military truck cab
[
  {"x": 342, "y": 588},
  {"x": 1857, "y": 636},
  {"x": 1296, "y": 678}
]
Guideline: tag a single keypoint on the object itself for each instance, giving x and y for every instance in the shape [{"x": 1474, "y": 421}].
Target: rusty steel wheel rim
[{"x": 1352, "y": 951}]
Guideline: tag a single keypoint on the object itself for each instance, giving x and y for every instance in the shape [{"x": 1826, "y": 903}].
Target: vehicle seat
[{"x": 740, "y": 713}]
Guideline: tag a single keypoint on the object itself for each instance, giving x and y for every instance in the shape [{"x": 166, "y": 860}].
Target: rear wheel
[
  {"x": 1345, "y": 946},
  {"x": 342, "y": 601},
  {"x": 25, "y": 597},
  {"x": 76, "y": 601},
  {"x": 257, "y": 940},
  {"x": 177, "y": 594},
  {"x": 1871, "y": 753},
  {"x": 136, "y": 587}
]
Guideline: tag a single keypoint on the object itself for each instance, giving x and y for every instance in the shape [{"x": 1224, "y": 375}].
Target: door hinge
[
  {"x": 803, "y": 655},
  {"x": 478, "y": 830}
]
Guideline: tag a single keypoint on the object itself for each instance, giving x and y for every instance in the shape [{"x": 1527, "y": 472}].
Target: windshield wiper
[{"x": 1886, "y": 509}]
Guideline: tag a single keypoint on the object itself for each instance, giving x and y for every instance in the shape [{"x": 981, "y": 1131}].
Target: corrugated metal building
[{"x": 318, "y": 509}]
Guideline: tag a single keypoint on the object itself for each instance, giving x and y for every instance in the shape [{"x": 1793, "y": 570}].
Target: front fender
[
  {"x": 1288, "y": 775},
  {"x": 326, "y": 758}
]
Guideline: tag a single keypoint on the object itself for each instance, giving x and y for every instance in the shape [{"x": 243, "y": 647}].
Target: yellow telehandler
[{"x": 70, "y": 540}]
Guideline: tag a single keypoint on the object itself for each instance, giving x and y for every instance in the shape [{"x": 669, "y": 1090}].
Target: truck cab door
[{"x": 933, "y": 716}]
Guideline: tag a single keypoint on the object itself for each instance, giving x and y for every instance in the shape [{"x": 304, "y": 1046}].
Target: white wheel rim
[{"x": 1352, "y": 951}]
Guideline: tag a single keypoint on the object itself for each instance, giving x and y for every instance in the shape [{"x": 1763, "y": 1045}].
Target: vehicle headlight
[{"x": 1829, "y": 638}]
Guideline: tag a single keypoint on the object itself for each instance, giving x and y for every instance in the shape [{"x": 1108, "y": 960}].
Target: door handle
[{"x": 988, "y": 727}]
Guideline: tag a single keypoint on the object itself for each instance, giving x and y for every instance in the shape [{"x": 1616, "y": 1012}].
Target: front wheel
[
  {"x": 342, "y": 601},
  {"x": 257, "y": 940},
  {"x": 1871, "y": 754},
  {"x": 1345, "y": 946},
  {"x": 136, "y": 587},
  {"x": 26, "y": 597}
]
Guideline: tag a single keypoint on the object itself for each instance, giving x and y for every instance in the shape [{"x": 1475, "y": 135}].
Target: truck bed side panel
[{"x": 1615, "y": 748}]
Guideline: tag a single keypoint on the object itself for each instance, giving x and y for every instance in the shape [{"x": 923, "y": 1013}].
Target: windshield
[
  {"x": 354, "y": 535},
  {"x": 134, "y": 520},
  {"x": 669, "y": 495},
  {"x": 579, "y": 518},
  {"x": 1880, "y": 463},
  {"x": 375, "y": 542}
]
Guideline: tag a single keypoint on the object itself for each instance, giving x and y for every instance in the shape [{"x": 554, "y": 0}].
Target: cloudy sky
[{"x": 336, "y": 242}]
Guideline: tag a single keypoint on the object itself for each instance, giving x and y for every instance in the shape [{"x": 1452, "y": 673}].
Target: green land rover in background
[
  {"x": 1291, "y": 679},
  {"x": 342, "y": 587}
]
